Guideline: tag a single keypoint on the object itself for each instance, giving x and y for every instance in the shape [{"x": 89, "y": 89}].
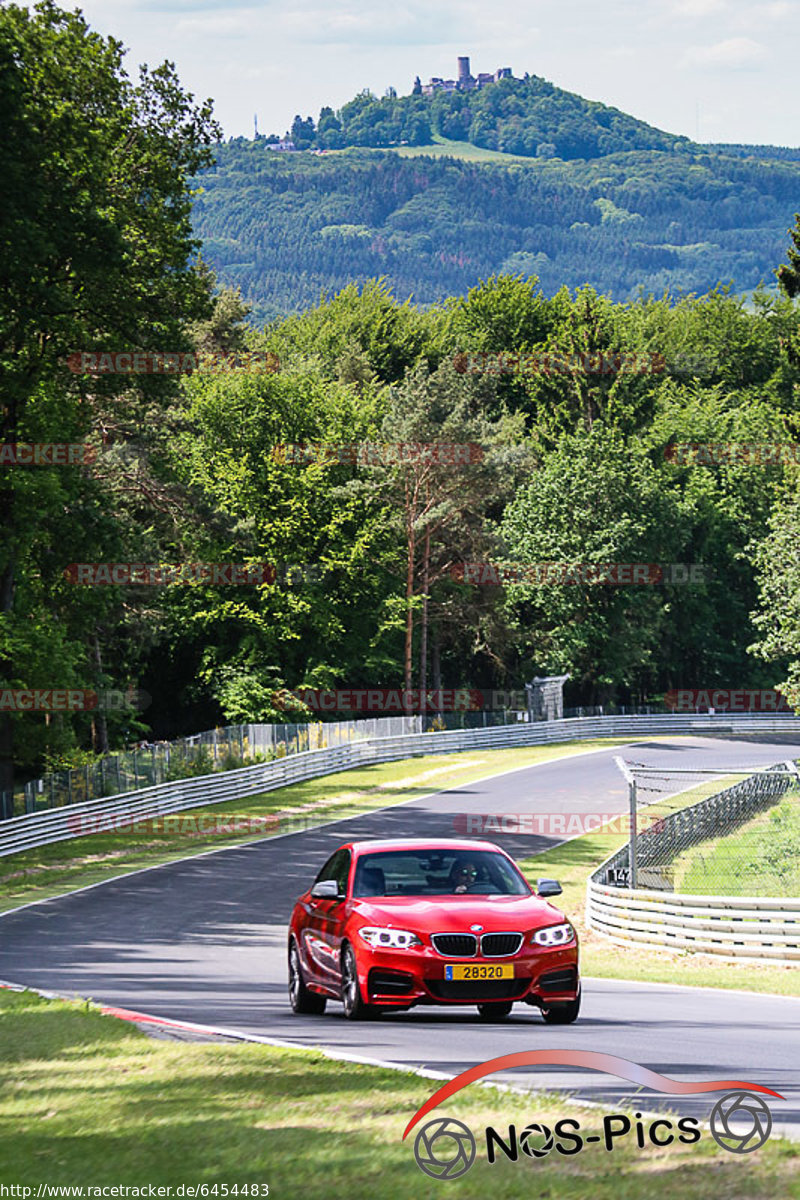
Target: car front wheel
[
  {"x": 354, "y": 1007},
  {"x": 496, "y": 1010},
  {"x": 562, "y": 1014},
  {"x": 301, "y": 999}
]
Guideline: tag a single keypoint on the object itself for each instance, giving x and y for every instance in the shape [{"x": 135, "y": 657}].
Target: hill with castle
[
  {"x": 477, "y": 175},
  {"x": 492, "y": 110}
]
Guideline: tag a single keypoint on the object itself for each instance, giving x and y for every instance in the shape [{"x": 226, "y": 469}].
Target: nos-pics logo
[{"x": 446, "y": 1148}]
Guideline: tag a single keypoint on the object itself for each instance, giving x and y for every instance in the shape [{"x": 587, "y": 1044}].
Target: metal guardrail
[
  {"x": 739, "y": 928},
  {"x": 736, "y": 928},
  {"x": 62, "y": 824}
]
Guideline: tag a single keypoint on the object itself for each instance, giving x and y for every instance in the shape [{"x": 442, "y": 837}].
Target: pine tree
[{"x": 789, "y": 275}]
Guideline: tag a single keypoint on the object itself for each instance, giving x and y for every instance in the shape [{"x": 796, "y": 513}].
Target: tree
[
  {"x": 441, "y": 506},
  {"x": 303, "y": 132},
  {"x": 778, "y": 615},
  {"x": 97, "y": 256},
  {"x": 417, "y": 88},
  {"x": 595, "y": 500},
  {"x": 789, "y": 274}
]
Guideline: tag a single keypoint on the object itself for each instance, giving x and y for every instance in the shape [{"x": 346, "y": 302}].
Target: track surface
[{"x": 205, "y": 940}]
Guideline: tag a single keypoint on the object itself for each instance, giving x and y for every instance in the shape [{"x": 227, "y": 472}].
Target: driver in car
[{"x": 463, "y": 875}]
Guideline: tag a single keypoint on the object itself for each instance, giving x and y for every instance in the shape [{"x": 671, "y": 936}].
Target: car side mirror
[
  {"x": 548, "y": 887},
  {"x": 326, "y": 889}
]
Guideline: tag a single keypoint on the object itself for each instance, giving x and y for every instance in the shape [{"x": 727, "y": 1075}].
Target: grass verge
[
  {"x": 762, "y": 858},
  {"x": 88, "y": 1100},
  {"x": 52, "y": 870}
]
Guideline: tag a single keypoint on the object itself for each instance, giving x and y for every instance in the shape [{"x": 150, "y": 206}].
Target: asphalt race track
[{"x": 204, "y": 940}]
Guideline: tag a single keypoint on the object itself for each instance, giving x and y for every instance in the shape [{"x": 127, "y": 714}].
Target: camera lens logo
[
  {"x": 536, "y": 1140},
  {"x": 740, "y": 1122},
  {"x": 444, "y": 1149}
]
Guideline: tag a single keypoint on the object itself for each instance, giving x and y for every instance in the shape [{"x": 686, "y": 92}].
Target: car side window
[
  {"x": 329, "y": 870},
  {"x": 337, "y": 867},
  {"x": 342, "y": 871}
]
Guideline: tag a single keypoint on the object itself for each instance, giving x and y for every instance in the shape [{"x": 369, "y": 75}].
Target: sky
[{"x": 713, "y": 70}]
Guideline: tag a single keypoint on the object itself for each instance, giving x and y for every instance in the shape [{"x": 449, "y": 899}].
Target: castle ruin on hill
[{"x": 466, "y": 82}]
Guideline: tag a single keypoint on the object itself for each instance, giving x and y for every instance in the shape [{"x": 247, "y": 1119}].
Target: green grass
[
  {"x": 52, "y": 870},
  {"x": 762, "y": 858},
  {"x": 464, "y": 150},
  {"x": 572, "y": 863},
  {"x": 88, "y": 1100}
]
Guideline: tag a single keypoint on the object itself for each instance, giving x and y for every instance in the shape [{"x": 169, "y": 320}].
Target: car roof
[{"x": 460, "y": 844}]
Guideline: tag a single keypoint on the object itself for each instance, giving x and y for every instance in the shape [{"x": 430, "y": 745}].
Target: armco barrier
[
  {"x": 734, "y": 928},
  {"x": 62, "y": 824},
  {"x": 737, "y": 928}
]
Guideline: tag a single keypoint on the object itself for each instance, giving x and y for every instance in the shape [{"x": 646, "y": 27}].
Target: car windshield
[{"x": 437, "y": 873}]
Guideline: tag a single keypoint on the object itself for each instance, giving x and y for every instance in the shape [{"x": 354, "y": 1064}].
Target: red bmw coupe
[{"x": 390, "y": 924}]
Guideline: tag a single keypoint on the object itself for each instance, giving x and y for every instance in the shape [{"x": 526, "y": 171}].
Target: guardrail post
[
  {"x": 632, "y": 843},
  {"x": 634, "y": 839}
]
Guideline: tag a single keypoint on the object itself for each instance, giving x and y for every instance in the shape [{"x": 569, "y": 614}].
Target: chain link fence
[
  {"x": 222, "y": 749},
  {"x": 689, "y": 837}
]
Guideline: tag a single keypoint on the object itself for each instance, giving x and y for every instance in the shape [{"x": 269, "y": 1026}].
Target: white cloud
[
  {"x": 212, "y": 24},
  {"x": 697, "y": 8},
  {"x": 732, "y": 52},
  {"x": 759, "y": 15}
]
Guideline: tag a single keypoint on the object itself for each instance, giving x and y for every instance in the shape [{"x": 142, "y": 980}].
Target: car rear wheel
[
  {"x": 354, "y": 1007},
  {"x": 301, "y": 999},
  {"x": 562, "y": 1014},
  {"x": 496, "y": 1010}
]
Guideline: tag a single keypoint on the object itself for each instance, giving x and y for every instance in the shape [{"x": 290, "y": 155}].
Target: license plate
[{"x": 479, "y": 971}]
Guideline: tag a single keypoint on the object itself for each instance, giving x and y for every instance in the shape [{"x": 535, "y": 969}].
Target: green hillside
[{"x": 287, "y": 226}]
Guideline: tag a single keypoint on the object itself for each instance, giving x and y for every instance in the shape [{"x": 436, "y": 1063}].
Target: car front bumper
[{"x": 400, "y": 979}]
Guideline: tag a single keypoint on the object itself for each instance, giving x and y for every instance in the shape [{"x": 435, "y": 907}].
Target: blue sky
[{"x": 720, "y": 70}]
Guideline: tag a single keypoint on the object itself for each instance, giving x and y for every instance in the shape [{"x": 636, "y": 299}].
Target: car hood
[{"x": 446, "y": 914}]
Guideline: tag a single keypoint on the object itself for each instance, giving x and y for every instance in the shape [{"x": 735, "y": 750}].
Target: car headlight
[
  {"x": 389, "y": 939},
  {"x": 554, "y": 935}
]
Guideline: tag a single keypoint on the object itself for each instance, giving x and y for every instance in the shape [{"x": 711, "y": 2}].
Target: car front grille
[
  {"x": 455, "y": 945},
  {"x": 499, "y": 945},
  {"x": 466, "y": 945}
]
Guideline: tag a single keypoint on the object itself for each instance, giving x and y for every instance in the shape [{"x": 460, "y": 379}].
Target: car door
[{"x": 324, "y": 928}]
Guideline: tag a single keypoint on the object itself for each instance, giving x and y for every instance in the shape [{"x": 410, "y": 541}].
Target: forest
[
  {"x": 288, "y": 227},
  {"x": 301, "y": 505}
]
